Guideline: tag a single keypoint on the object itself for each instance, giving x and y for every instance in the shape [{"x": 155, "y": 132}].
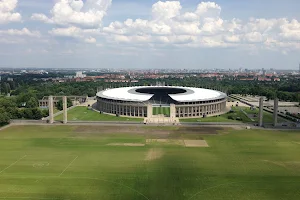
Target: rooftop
[{"x": 186, "y": 94}]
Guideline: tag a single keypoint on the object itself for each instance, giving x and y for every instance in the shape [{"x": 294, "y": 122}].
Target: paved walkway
[{"x": 115, "y": 123}]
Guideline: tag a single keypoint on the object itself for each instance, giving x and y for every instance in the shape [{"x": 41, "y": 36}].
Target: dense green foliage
[
  {"x": 9, "y": 109},
  {"x": 287, "y": 89},
  {"x": 73, "y": 162},
  {"x": 59, "y": 105}
]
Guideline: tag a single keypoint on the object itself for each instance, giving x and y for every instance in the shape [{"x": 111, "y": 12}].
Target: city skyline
[{"x": 151, "y": 34}]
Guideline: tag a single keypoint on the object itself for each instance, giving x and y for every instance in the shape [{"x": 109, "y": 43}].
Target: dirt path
[{"x": 154, "y": 154}]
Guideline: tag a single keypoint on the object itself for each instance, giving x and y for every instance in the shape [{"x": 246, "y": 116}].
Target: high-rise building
[{"x": 263, "y": 72}]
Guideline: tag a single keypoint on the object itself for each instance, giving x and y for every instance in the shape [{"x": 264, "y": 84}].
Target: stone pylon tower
[
  {"x": 275, "y": 112},
  {"x": 261, "y": 111},
  {"x": 50, "y": 106},
  {"x": 65, "y": 110}
]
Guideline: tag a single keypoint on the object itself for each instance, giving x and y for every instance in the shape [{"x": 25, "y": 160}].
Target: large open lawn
[
  {"x": 82, "y": 113},
  {"x": 87, "y": 162}
]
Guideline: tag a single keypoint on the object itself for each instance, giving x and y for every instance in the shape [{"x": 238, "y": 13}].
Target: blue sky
[{"x": 150, "y": 34}]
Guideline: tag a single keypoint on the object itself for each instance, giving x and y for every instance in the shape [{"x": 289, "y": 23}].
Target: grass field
[
  {"x": 161, "y": 110},
  {"x": 75, "y": 162},
  {"x": 268, "y": 117},
  {"x": 81, "y": 113}
]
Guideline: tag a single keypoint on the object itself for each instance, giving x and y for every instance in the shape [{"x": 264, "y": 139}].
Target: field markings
[
  {"x": 113, "y": 182},
  {"x": 212, "y": 187},
  {"x": 231, "y": 183},
  {"x": 68, "y": 166},
  {"x": 12, "y": 164},
  {"x": 296, "y": 142},
  {"x": 74, "y": 177}
]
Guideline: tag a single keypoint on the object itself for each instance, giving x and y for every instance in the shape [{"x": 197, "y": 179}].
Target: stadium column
[
  {"x": 275, "y": 113},
  {"x": 50, "y": 106},
  {"x": 149, "y": 110},
  {"x": 261, "y": 111},
  {"x": 65, "y": 110}
]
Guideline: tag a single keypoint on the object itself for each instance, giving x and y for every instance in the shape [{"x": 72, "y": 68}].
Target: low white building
[{"x": 80, "y": 75}]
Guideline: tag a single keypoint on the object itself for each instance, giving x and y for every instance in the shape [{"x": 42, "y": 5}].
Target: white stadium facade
[{"x": 185, "y": 102}]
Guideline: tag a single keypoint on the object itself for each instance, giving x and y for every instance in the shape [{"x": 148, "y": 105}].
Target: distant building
[
  {"x": 263, "y": 72},
  {"x": 80, "y": 75}
]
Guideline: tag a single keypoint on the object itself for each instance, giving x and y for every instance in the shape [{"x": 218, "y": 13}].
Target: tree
[
  {"x": 36, "y": 114},
  {"x": 4, "y": 118},
  {"x": 12, "y": 85},
  {"x": 32, "y": 103},
  {"x": 28, "y": 113},
  {"x": 45, "y": 113},
  {"x": 4, "y": 88},
  {"x": 59, "y": 104},
  {"x": 24, "y": 97},
  {"x": 8, "y": 87}
]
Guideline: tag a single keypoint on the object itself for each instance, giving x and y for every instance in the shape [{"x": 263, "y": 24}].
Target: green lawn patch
[
  {"x": 81, "y": 113},
  {"x": 161, "y": 110}
]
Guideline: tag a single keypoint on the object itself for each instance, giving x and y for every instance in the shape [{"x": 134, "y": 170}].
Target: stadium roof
[{"x": 190, "y": 94}]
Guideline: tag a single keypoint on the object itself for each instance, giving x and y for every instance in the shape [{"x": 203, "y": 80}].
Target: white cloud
[
  {"x": 41, "y": 17},
  {"x": 202, "y": 28},
  {"x": 166, "y": 10},
  {"x": 7, "y": 13},
  {"x": 75, "y": 32},
  {"x": 67, "y": 32},
  {"x": 290, "y": 31},
  {"x": 21, "y": 32},
  {"x": 208, "y": 10},
  {"x": 254, "y": 37},
  {"x": 170, "y": 25},
  {"x": 90, "y": 40},
  {"x": 76, "y": 13},
  {"x": 232, "y": 38}
]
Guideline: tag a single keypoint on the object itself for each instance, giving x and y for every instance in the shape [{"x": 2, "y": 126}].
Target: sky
[{"x": 149, "y": 34}]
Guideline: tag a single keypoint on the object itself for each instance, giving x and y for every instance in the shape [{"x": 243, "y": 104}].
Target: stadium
[{"x": 189, "y": 102}]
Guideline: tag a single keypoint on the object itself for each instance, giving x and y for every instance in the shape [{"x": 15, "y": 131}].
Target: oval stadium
[{"x": 169, "y": 101}]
